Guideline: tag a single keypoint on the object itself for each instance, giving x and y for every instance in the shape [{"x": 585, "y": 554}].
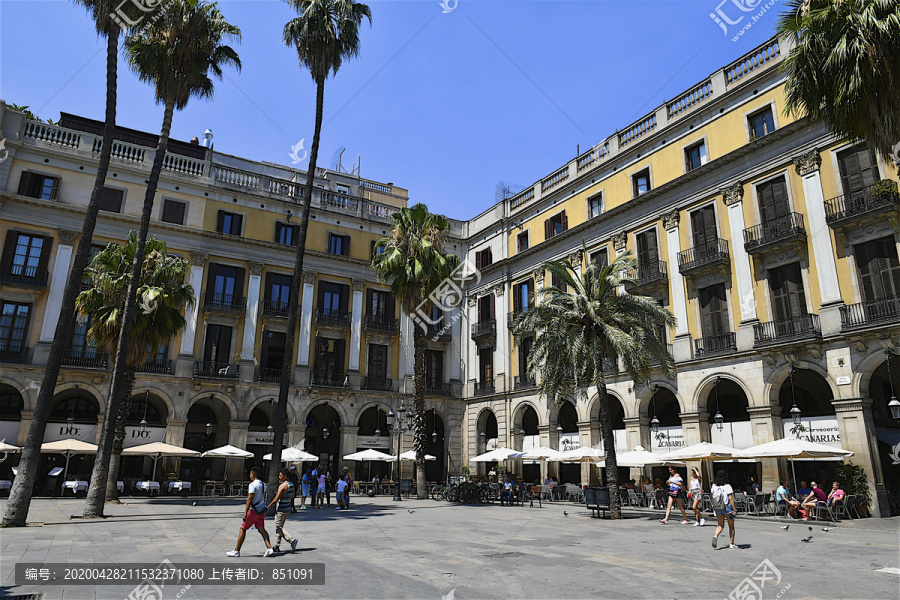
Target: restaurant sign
[
  {"x": 491, "y": 444},
  {"x": 736, "y": 435},
  {"x": 569, "y": 441},
  {"x": 667, "y": 439},
  {"x": 260, "y": 438},
  {"x": 135, "y": 436},
  {"x": 370, "y": 441},
  {"x": 84, "y": 432},
  {"x": 821, "y": 430}
]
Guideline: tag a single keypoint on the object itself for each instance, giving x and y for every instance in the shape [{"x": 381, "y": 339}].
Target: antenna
[
  {"x": 336, "y": 159},
  {"x": 504, "y": 191}
]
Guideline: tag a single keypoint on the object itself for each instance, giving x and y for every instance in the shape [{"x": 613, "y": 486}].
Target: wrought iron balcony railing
[
  {"x": 328, "y": 379},
  {"x": 484, "y": 328},
  {"x": 870, "y": 313},
  {"x": 85, "y": 359},
  {"x": 867, "y": 202},
  {"x": 381, "y": 384},
  {"x": 773, "y": 333},
  {"x": 514, "y": 314},
  {"x": 24, "y": 276},
  {"x": 14, "y": 355},
  {"x": 437, "y": 388},
  {"x": 155, "y": 366},
  {"x": 215, "y": 370},
  {"x": 439, "y": 331},
  {"x": 774, "y": 234},
  {"x": 333, "y": 317},
  {"x": 276, "y": 308},
  {"x": 522, "y": 382},
  {"x": 268, "y": 374},
  {"x": 382, "y": 323},
  {"x": 714, "y": 344},
  {"x": 229, "y": 302},
  {"x": 650, "y": 275},
  {"x": 484, "y": 387},
  {"x": 700, "y": 258}
]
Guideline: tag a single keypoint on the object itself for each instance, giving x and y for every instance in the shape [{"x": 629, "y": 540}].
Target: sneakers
[
  {"x": 702, "y": 522},
  {"x": 715, "y": 541},
  {"x": 303, "y": 507},
  {"x": 697, "y": 524},
  {"x": 276, "y": 548},
  {"x": 732, "y": 546},
  {"x": 268, "y": 552},
  {"x": 293, "y": 546},
  {"x": 233, "y": 553},
  {"x": 664, "y": 521},
  {"x": 685, "y": 522}
]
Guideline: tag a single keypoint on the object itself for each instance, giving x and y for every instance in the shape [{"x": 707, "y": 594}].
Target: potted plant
[
  {"x": 853, "y": 480},
  {"x": 885, "y": 191},
  {"x": 464, "y": 473}
]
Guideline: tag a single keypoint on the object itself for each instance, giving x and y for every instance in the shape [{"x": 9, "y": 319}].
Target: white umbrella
[
  {"x": 227, "y": 451},
  {"x": 705, "y": 451},
  {"x": 496, "y": 455},
  {"x": 540, "y": 453},
  {"x": 68, "y": 447},
  {"x": 157, "y": 450},
  {"x": 583, "y": 454},
  {"x": 369, "y": 454},
  {"x": 638, "y": 457},
  {"x": 411, "y": 455},
  {"x": 4, "y": 447},
  {"x": 293, "y": 455},
  {"x": 795, "y": 448}
]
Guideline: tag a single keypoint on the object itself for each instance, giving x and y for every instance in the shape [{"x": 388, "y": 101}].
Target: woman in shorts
[
  {"x": 723, "y": 505},
  {"x": 676, "y": 494},
  {"x": 695, "y": 493}
]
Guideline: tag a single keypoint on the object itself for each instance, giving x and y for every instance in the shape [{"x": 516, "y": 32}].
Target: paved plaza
[{"x": 426, "y": 549}]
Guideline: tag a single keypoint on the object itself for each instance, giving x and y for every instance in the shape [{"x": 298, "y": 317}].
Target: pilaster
[{"x": 858, "y": 435}]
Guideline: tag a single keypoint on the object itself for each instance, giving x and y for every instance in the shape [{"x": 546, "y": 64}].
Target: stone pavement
[{"x": 426, "y": 549}]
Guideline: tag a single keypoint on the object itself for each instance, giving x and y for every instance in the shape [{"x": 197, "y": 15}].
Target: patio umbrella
[
  {"x": 227, "y": 452},
  {"x": 157, "y": 450},
  {"x": 411, "y": 455},
  {"x": 795, "y": 448},
  {"x": 638, "y": 457},
  {"x": 496, "y": 455},
  {"x": 583, "y": 454},
  {"x": 70, "y": 448},
  {"x": 540, "y": 453},
  {"x": 4, "y": 447},
  {"x": 293, "y": 455},
  {"x": 369, "y": 454},
  {"x": 705, "y": 452}
]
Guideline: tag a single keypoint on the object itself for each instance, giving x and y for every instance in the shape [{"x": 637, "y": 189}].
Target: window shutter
[
  {"x": 719, "y": 310},
  {"x": 239, "y": 283},
  {"x": 45, "y": 253},
  {"x": 372, "y": 249},
  {"x": 780, "y": 199},
  {"x": 565, "y": 220},
  {"x": 220, "y": 222},
  {"x": 699, "y": 228},
  {"x": 345, "y": 297},
  {"x": 370, "y": 302},
  {"x": 390, "y": 309},
  {"x": 517, "y": 297},
  {"x": 54, "y": 191},
  {"x": 237, "y": 222},
  {"x": 345, "y": 247},
  {"x": 547, "y": 230},
  {"x": 867, "y": 267},
  {"x": 706, "y": 325},
  {"x": 339, "y": 356},
  {"x": 478, "y": 260},
  {"x": 890, "y": 267},
  {"x": 24, "y": 182},
  {"x": 223, "y": 351},
  {"x": 796, "y": 294},
  {"x": 320, "y": 301},
  {"x": 491, "y": 316},
  {"x": 9, "y": 249}
]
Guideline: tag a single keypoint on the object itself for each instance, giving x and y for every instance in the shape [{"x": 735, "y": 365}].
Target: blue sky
[{"x": 444, "y": 104}]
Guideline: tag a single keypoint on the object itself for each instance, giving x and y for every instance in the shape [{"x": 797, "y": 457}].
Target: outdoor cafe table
[
  {"x": 181, "y": 486},
  {"x": 5, "y": 484},
  {"x": 120, "y": 486},
  {"x": 75, "y": 486},
  {"x": 148, "y": 486}
]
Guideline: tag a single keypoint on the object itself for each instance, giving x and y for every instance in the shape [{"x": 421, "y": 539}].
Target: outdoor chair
[
  {"x": 532, "y": 493},
  {"x": 844, "y": 507},
  {"x": 767, "y": 504},
  {"x": 857, "y": 499},
  {"x": 633, "y": 498},
  {"x": 573, "y": 492},
  {"x": 706, "y": 502},
  {"x": 405, "y": 487},
  {"x": 740, "y": 502},
  {"x": 822, "y": 511},
  {"x": 547, "y": 492},
  {"x": 661, "y": 499},
  {"x": 209, "y": 488}
]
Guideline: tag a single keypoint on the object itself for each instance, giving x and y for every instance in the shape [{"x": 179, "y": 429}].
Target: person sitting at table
[
  {"x": 375, "y": 479},
  {"x": 815, "y": 496},
  {"x": 782, "y": 496},
  {"x": 804, "y": 491},
  {"x": 657, "y": 484},
  {"x": 646, "y": 485},
  {"x": 752, "y": 487},
  {"x": 836, "y": 496},
  {"x": 547, "y": 481},
  {"x": 629, "y": 485}
]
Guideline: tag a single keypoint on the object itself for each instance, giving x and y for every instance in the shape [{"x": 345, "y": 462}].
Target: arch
[
  {"x": 11, "y": 403},
  {"x": 289, "y": 410},
  {"x": 616, "y": 410},
  {"x": 519, "y": 414},
  {"x": 881, "y": 387},
  {"x": 156, "y": 411},
  {"x": 567, "y": 418},
  {"x": 160, "y": 394},
  {"x": 703, "y": 398},
  {"x": 776, "y": 380},
  {"x": 666, "y": 406},
  {"x": 74, "y": 402},
  {"x": 646, "y": 395},
  {"x": 557, "y": 406},
  {"x": 261, "y": 417},
  {"x": 811, "y": 391},
  {"x": 436, "y": 444},
  {"x": 28, "y": 401},
  {"x": 339, "y": 408},
  {"x": 98, "y": 395},
  {"x": 324, "y": 423},
  {"x": 486, "y": 423},
  {"x": 223, "y": 398},
  {"x": 372, "y": 420},
  {"x": 865, "y": 371}
]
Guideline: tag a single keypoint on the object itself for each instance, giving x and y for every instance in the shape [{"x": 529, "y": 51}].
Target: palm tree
[
  {"x": 176, "y": 53},
  {"x": 325, "y": 33},
  {"x": 164, "y": 294},
  {"x": 414, "y": 262},
  {"x": 844, "y": 69},
  {"x": 582, "y": 330},
  {"x": 19, "y": 502}
]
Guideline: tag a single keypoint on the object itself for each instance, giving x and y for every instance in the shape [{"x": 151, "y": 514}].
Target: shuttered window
[
  {"x": 522, "y": 295},
  {"x": 339, "y": 244},
  {"x": 217, "y": 347},
  {"x": 286, "y": 233},
  {"x": 788, "y": 296},
  {"x": 35, "y": 185},
  {"x": 713, "y": 311},
  {"x": 229, "y": 223},
  {"x": 434, "y": 367},
  {"x": 556, "y": 225},
  {"x": 878, "y": 269},
  {"x": 26, "y": 256},
  {"x": 13, "y": 325},
  {"x": 703, "y": 226},
  {"x": 226, "y": 282},
  {"x": 173, "y": 211},
  {"x": 333, "y": 296},
  {"x": 773, "y": 200},
  {"x": 483, "y": 258},
  {"x": 641, "y": 182},
  {"x": 601, "y": 258},
  {"x": 648, "y": 249},
  {"x": 377, "y": 362},
  {"x": 380, "y": 304},
  {"x": 859, "y": 168},
  {"x": 485, "y": 308},
  {"x": 111, "y": 200}
]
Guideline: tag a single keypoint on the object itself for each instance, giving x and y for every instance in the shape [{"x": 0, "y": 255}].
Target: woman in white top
[
  {"x": 646, "y": 486},
  {"x": 723, "y": 505},
  {"x": 695, "y": 494},
  {"x": 676, "y": 494}
]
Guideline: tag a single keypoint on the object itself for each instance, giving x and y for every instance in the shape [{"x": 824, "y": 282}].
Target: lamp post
[
  {"x": 894, "y": 404},
  {"x": 654, "y": 422},
  {"x": 795, "y": 412},
  {"x": 718, "y": 418},
  {"x": 402, "y": 426}
]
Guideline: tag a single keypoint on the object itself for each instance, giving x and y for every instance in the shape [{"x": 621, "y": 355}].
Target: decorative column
[
  {"x": 733, "y": 196},
  {"x": 637, "y": 433},
  {"x": 407, "y": 367},
  {"x": 175, "y": 437},
  {"x": 585, "y": 435},
  {"x": 356, "y": 318},
  {"x": 857, "y": 428},
  {"x": 545, "y": 434},
  {"x": 184, "y": 364},
  {"x": 348, "y": 445},
  {"x": 620, "y": 245},
  {"x": 501, "y": 352},
  {"x": 301, "y": 373},
  {"x": 681, "y": 345},
  {"x": 576, "y": 257},
  {"x": 248, "y": 345},
  {"x": 61, "y": 268},
  {"x": 807, "y": 166},
  {"x": 471, "y": 347},
  {"x": 765, "y": 421}
]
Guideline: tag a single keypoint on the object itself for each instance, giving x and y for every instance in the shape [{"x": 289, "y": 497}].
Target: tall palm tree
[
  {"x": 176, "y": 53},
  {"x": 844, "y": 69},
  {"x": 324, "y": 35},
  {"x": 17, "y": 506},
  {"x": 164, "y": 295},
  {"x": 582, "y": 330},
  {"x": 414, "y": 262}
]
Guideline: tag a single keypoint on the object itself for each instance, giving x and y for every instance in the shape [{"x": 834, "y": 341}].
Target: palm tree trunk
[
  {"x": 609, "y": 449},
  {"x": 287, "y": 365},
  {"x": 93, "y": 506},
  {"x": 20, "y": 494},
  {"x": 419, "y": 435},
  {"x": 112, "y": 492}
]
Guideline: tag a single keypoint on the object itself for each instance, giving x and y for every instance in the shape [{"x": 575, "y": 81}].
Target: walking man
[
  {"x": 254, "y": 513},
  {"x": 282, "y": 500},
  {"x": 295, "y": 481}
]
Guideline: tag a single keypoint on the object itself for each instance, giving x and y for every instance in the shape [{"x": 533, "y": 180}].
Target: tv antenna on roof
[
  {"x": 504, "y": 191},
  {"x": 336, "y": 159}
]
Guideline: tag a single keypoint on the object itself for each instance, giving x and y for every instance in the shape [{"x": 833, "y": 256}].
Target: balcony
[
  {"x": 19, "y": 276},
  {"x": 513, "y": 315},
  {"x": 332, "y": 317},
  {"x": 775, "y": 235},
  {"x": 435, "y": 388},
  {"x": 17, "y": 356},
  {"x": 773, "y": 333},
  {"x": 215, "y": 370},
  {"x": 521, "y": 382},
  {"x": 482, "y": 388},
  {"x": 439, "y": 332},
  {"x": 648, "y": 278},
  {"x": 871, "y": 313},
  {"x": 156, "y": 366},
  {"x": 382, "y": 323},
  {"x": 711, "y": 345},
  {"x": 223, "y": 302},
  {"x": 328, "y": 379},
  {"x": 656, "y": 362},
  {"x": 484, "y": 329},
  {"x": 862, "y": 205},
  {"x": 274, "y": 308},
  {"x": 699, "y": 259},
  {"x": 268, "y": 374},
  {"x": 85, "y": 359},
  {"x": 381, "y": 384}
]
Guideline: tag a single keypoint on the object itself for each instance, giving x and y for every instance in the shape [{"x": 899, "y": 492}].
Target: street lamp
[
  {"x": 144, "y": 420},
  {"x": 654, "y": 422},
  {"x": 894, "y": 404},
  {"x": 718, "y": 418},
  {"x": 795, "y": 412},
  {"x": 401, "y": 428},
  {"x": 324, "y": 433},
  {"x": 209, "y": 425}
]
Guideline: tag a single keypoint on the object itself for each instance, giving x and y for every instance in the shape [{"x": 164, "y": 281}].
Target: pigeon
[
  {"x": 786, "y": 527},
  {"x": 806, "y": 539},
  {"x": 826, "y": 529},
  {"x": 410, "y": 511},
  {"x": 810, "y": 527},
  {"x": 565, "y": 514}
]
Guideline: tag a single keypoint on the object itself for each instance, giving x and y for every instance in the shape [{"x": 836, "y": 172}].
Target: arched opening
[
  {"x": 617, "y": 418},
  {"x": 818, "y": 422},
  {"x": 670, "y": 436},
  {"x": 884, "y": 386},
  {"x": 207, "y": 428},
  {"x": 373, "y": 433},
  {"x": 567, "y": 428},
  {"x": 11, "y": 406},
  {"x": 435, "y": 445},
  {"x": 323, "y": 436},
  {"x": 260, "y": 434},
  {"x": 488, "y": 432},
  {"x": 530, "y": 438},
  {"x": 73, "y": 415},
  {"x": 151, "y": 409},
  {"x": 726, "y": 397}
]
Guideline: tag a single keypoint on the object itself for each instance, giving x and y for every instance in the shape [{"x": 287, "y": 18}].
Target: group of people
[
  {"x": 722, "y": 501},
  {"x": 284, "y": 501},
  {"x": 808, "y": 498}
]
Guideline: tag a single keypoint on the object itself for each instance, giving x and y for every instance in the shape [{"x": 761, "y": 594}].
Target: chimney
[
  {"x": 207, "y": 139},
  {"x": 195, "y": 141}
]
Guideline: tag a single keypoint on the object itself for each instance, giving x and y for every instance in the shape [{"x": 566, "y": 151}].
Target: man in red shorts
[{"x": 254, "y": 514}]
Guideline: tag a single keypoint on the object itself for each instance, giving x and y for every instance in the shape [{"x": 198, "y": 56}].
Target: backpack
[{"x": 718, "y": 499}]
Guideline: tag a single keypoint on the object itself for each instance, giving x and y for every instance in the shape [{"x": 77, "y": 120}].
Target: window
[
  {"x": 859, "y": 168},
  {"x": 555, "y": 225},
  {"x": 600, "y": 258},
  {"x": 329, "y": 366},
  {"x": 703, "y": 227},
  {"x": 486, "y": 308},
  {"x": 376, "y": 249},
  {"x": 286, "y": 234},
  {"x": 522, "y": 242},
  {"x": 277, "y": 295},
  {"x": 761, "y": 123},
  {"x": 173, "y": 211},
  {"x": 595, "y": 206},
  {"x": 35, "y": 185},
  {"x": 13, "y": 325},
  {"x": 25, "y": 257},
  {"x": 647, "y": 248},
  {"x": 339, "y": 244},
  {"x": 773, "y": 200},
  {"x": 557, "y": 282},
  {"x": 380, "y": 304},
  {"x": 640, "y": 182},
  {"x": 434, "y": 368},
  {"x": 81, "y": 346},
  {"x": 229, "y": 223},
  {"x": 694, "y": 157},
  {"x": 225, "y": 285},
  {"x": 483, "y": 259},
  {"x": 272, "y": 353},
  {"x": 713, "y": 311},
  {"x": 788, "y": 296},
  {"x": 342, "y": 189},
  {"x": 378, "y": 358},
  {"x": 217, "y": 346},
  {"x": 111, "y": 200},
  {"x": 523, "y": 293},
  {"x": 524, "y": 351},
  {"x": 333, "y": 298},
  {"x": 878, "y": 269},
  {"x": 486, "y": 367},
  {"x": 157, "y": 356}
]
